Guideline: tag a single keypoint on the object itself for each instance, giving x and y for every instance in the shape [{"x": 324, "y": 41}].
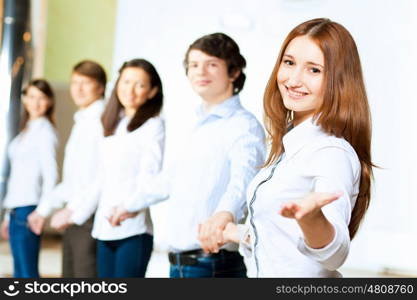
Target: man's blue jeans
[
  {"x": 214, "y": 266},
  {"x": 127, "y": 257},
  {"x": 24, "y": 243}
]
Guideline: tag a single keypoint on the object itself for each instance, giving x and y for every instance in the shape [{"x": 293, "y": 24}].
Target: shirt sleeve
[
  {"x": 151, "y": 184},
  {"x": 83, "y": 209},
  {"x": 48, "y": 143},
  {"x": 86, "y": 201},
  {"x": 246, "y": 156},
  {"x": 334, "y": 169}
]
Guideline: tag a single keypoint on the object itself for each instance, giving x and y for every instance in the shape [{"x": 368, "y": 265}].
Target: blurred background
[{"x": 45, "y": 38}]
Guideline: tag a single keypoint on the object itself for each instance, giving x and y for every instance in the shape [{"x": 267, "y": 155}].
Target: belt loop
[{"x": 178, "y": 258}]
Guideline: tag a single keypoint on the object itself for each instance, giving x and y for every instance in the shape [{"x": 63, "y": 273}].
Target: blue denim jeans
[
  {"x": 127, "y": 257},
  {"x": 24, "y": 243},
  {"x": 215, "y": 266}
]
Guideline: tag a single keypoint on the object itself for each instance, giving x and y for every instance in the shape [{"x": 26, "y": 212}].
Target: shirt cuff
[
  {"x": 231, "y": 208},
  {"x": 43, "y": 210},
  {"x": 77, "y": 220},
  {"x": 245, "y": 248},
  {"x": 7, "y": 215},
  {"x": 332, "y": 255}
]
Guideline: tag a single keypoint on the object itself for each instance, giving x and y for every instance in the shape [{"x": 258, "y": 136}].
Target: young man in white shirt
[
  {"x": 223, "y": 153},
  {"x": 87, "y": 87}
]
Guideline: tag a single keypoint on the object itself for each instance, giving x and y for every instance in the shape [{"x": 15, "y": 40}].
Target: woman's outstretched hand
[
  {"x": 309, "y": 206},
  {"x": 307, "y": 211}
]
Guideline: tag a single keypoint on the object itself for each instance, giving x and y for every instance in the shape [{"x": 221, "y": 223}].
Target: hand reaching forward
[
  {"x": 309, "y": 206},
  {"x": 317, "y": 230}
]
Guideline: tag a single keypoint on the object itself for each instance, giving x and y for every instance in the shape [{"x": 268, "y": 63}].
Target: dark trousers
[
  {"x": 223, "y": 264},
  {"x": 79, "y": 251},
  {"x": 24, "y": 243},
  {"x": 127, "y": 257}
]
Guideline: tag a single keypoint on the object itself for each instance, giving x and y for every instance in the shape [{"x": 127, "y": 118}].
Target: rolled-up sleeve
[{"x": 334, "y": 169}]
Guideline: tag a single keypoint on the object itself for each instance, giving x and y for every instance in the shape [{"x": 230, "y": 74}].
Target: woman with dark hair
[
  {"x": 307, "y": 202},
  {"x": 131, "y": 152},
  {"x": 33, "y": 173}
]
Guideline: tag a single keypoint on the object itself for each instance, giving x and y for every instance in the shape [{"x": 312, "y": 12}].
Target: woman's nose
[{"x": 295, "y": 78}]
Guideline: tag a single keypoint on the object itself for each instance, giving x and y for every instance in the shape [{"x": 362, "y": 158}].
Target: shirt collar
[
  {"x": 37, "y": 122},
  {"x": 222, "y": 110},
  {"x": 91, "y": 111},
  {"x": 299, "y": 136}
]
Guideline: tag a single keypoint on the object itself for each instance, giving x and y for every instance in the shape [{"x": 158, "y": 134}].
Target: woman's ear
[{"x": 153, "y": 92}]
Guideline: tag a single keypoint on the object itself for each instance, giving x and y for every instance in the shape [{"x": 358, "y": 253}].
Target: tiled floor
[{"x": 50, "y": 262}]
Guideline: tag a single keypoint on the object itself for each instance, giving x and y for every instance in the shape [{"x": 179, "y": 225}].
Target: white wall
[{"x": 385, "y": 32}]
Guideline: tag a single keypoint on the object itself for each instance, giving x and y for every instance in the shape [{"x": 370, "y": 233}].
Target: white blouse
[
  {"x": 33, "y": 173},
  {"x": 313, "y": 162},
  {"x": 127, "y": 159}
]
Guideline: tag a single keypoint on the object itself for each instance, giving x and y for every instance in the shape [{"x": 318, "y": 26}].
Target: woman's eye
[
  {"x": 315, "y": 70},
  {"x": 288, "y": 62}
]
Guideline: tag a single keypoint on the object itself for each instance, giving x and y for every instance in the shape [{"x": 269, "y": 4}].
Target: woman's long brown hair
[
  {"x": 151, "y": 108},
  {"x": 344, "y": 111}
]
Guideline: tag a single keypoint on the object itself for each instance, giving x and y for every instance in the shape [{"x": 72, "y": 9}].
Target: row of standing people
[{"x": 233, "y": 210}]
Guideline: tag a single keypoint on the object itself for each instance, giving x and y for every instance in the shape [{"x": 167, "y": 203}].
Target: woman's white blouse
[
  {"x": 127, "y": 159},
  {"x": 313, "y": 162},
  {"x": 33, "y": 167}
]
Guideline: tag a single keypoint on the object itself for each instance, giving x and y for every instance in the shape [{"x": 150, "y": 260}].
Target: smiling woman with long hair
[
  {"x": 33, "y": 173},
  {"x": 308, "y": 201},
  {"x": 130, "y": 153}
]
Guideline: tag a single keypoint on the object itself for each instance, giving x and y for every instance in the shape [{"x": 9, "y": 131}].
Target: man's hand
[
  {"x": 61, "y": 219},
  {"x": 36, "y": 222},
  {"x": 119, "y": 214},
  {"x": 210, "y": 233}
]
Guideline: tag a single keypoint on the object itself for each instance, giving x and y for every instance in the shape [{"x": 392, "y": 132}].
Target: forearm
[{"x": 317, "y": 230}]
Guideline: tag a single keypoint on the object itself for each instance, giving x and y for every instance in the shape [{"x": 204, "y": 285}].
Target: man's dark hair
[
  {"x": 92, "y": 70},
  {"x": 224, "y": 47}
]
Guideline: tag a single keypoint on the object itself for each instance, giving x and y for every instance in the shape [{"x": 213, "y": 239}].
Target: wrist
[{"x": 225, "y": 215}]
